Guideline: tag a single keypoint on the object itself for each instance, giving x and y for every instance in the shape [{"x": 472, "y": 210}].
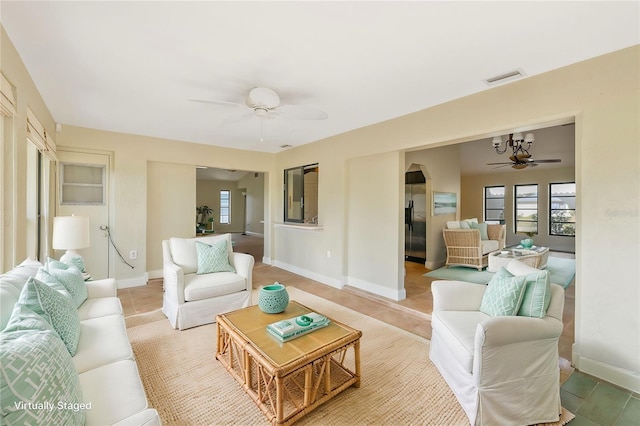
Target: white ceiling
[{"x": 132, "y": 67}]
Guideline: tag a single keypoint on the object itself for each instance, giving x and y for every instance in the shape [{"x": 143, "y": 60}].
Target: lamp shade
[{"x": 70, "y": 232}]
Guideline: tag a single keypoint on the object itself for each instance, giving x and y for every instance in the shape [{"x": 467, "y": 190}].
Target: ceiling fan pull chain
[{"x": 261, "y": 121}]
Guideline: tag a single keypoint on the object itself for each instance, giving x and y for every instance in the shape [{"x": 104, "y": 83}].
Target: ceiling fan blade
[
  {"x": 300, "y": 112},
  {"x": 217, "y": 102},
  {"x": 237, "y": 117},
  {"x": 496, "y": 164},
  {"x": 554, "y": 160}
]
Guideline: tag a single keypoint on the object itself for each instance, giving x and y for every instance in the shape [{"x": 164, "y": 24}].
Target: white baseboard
[
  {"x": 255, "y": 234},
  {"x": 615, "y": 375},
  {"x": 336, "y": 283},
  {"x": 133, "y": 282},
  {"x": 377, "y": 289}
]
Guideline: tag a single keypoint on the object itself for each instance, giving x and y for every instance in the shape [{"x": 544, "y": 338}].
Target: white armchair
[
  {"x": 192, "y": 299},
  {"x": 503, "y": 370}
]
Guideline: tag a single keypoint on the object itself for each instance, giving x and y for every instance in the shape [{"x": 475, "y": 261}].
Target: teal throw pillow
[
  {"x": 70, "y": 277},
  {"x": 482, "y": 227},
  {"x": 213, "y": 258},
  {"x": 37, "y": 374},
  {"x": 57, "y": 308},
  {"x": 537, "y": 295},
  {"x": 503, "y": 295}
]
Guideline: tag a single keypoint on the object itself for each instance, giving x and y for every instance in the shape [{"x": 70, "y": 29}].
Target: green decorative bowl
[
  {"x": 526, "y": 243},
  {"x": 273, "y": 299}
]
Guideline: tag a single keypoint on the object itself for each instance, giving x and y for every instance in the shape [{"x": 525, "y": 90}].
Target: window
[
  {"x": 301, "y": 194},
  {"x": 82, "y": 184},
  {"x": 562, "y": 209},
  {"x": 225, "y": 206},
  {"x": 526, "y": 213},
  {"x": 494, "y": 204}
]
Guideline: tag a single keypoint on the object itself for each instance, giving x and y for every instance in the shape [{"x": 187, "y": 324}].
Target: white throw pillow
[
  {"x": 517, "y": 268},
  {"x": 453, "y": 224}
]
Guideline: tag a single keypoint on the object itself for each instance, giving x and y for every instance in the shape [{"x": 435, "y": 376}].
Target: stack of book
[{"x": 286, "y": 330}]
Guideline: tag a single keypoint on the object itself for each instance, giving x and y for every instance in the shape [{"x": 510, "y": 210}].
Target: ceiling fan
[
  {"x": 264, "y": 103},
  {"x": 520, "y": 158}
]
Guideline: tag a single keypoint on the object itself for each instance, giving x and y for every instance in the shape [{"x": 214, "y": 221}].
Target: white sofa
[
  {"x": 192, "y": 299},
  {"x": 502, "y": 369},
  {"x": 104, "y": 361}
]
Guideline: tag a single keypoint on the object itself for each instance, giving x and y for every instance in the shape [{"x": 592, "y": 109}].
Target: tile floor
[{"x": 592, "y": 401}]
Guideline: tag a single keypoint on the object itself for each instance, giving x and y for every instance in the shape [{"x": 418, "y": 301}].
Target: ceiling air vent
[
  {"x": 505, "y": 77},
  {"x": 285, "y": 146}
]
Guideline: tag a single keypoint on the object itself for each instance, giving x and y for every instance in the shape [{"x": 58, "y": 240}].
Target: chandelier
[{"x": 519, "y": 146}]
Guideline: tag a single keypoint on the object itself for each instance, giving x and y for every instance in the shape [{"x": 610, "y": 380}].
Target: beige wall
[
  {"x": 171, "y": 198},
  {"x": 602, "y": 94}
]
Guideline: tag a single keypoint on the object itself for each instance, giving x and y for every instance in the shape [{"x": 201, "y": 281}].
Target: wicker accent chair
[{"x": 466, "y": 248}]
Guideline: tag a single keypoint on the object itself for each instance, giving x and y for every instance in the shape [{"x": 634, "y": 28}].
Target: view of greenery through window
[{"x": 562, "y": 209}]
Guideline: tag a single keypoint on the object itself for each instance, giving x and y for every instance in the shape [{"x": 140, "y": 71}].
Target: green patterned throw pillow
[
  {"x": 56, "y": 308},
  {"x": 537, "y": 295},
  {"x": 70, "y": 277},
  {"x": 503, "y": 296},
  {"x": 37, "y": 374},
  {"x": 213, "y": 258}
]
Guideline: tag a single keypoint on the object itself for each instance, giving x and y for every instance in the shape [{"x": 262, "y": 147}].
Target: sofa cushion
[
  {"x": 503, "y": 296},
  {"x": 198, "y": 287},
  {"x": 11, "y": 283},
  {"x": 19, "y": 275},
  {"x": 53, "y": 303},
  {"x": 458, "y": 330},
  {"x": 184, "y": 254},
  {"x": 482, "y": 227},
  {"x": 115, "y": 391},
  {"x": 213, "y": 258},
  {"x": 100, "y": 307},
  {"x": 104, "y": 340},
  {"x": 27, "y": 345},
  {"x": 453, "y": 224},
  {"x": 70, "y": 277},
  {"x": 489, "y": 246}
]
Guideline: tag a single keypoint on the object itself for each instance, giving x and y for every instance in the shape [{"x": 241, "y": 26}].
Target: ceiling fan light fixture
[{"x": 262, "y": 98}]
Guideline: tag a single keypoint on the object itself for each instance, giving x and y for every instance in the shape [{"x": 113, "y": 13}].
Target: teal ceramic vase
[
  {"x": 526, "y": 243},
  {"x": 273, "y": 299}
]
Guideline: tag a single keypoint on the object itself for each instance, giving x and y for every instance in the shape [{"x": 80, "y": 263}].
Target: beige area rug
[{"x": 188, "y": 386}]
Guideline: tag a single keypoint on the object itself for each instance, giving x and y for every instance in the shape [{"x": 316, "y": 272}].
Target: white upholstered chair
[
  {"x": 504, "y": 369},
  {"x": 191, "y": 299}
]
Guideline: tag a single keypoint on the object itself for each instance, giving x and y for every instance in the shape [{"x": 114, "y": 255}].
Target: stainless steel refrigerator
[{"x": 415, "y": 217}]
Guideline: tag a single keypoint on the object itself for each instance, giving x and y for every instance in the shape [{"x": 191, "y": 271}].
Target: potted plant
[
  {"x": 210, "y": 220},
  {"x": 202, "y": 213}
]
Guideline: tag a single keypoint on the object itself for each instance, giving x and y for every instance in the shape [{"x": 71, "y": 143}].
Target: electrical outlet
[
  {"x": 133, "y": 255},
  {"x": 328, "y": 254}
]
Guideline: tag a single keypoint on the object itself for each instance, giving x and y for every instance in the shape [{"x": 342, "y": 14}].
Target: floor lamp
[{"x": 71, "y": 233}]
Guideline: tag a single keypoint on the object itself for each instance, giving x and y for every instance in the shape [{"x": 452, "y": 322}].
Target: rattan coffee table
[{"x": 287, "y": 380}]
